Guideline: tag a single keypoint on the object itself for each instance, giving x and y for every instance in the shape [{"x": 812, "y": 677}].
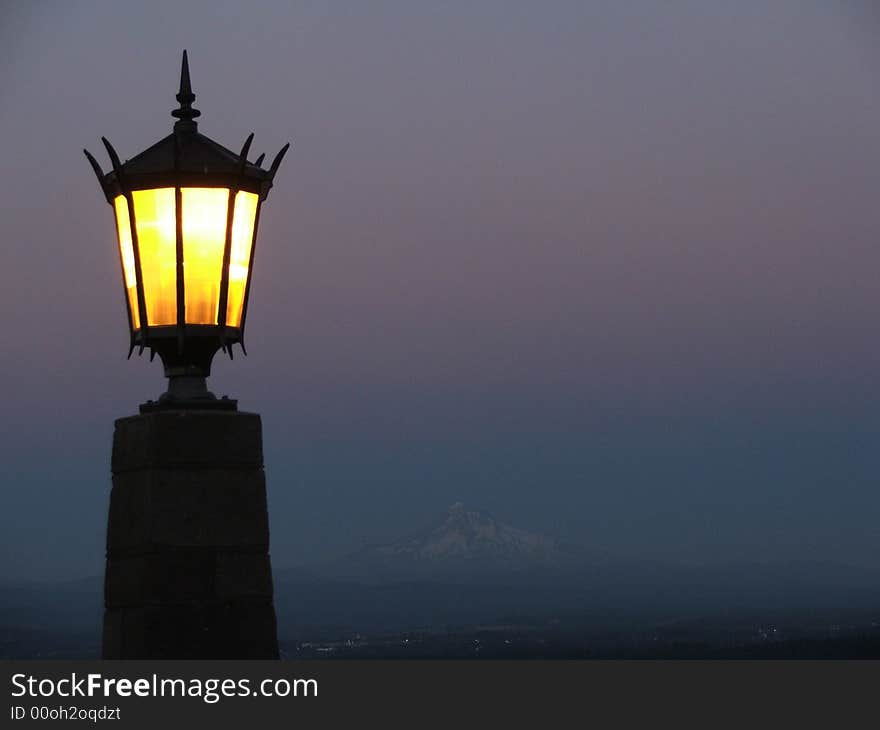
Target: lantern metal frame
[{"x": 183, "y": 159}]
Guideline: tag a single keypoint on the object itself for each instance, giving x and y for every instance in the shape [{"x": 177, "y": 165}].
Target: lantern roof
[{"x": 186, "y": 158}]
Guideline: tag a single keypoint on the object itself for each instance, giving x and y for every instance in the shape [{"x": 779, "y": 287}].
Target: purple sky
[{"x": 609, "y": 270}]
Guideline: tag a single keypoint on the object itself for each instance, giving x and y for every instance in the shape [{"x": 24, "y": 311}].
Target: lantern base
[{"x": 189, "y": 392}]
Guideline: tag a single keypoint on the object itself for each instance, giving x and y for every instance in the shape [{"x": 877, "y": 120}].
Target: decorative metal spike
[
  {"x": 246, "y": 147},
  {"x": 99, "y": 173},
  {"x": 185, "y": 85},
  {"x": 259, "y": 160},
  {"x": 185, "y": 115},
  {"x": 277, "y": 161},
  {"x": 243, "y": 156},
  {"x": 152, "y": 354},
  {"x": 114, "y": 158},
  {"x": 243, "y": 348}
]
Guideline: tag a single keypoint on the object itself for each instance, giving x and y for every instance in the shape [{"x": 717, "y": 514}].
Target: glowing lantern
[{"x": 186, "y": 211}]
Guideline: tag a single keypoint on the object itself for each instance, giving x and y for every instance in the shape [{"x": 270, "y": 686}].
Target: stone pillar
[{"x": 188, "y": 573}]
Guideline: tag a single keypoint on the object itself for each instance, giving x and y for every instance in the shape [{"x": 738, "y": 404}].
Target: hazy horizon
[{"x": 607, "y": 270}]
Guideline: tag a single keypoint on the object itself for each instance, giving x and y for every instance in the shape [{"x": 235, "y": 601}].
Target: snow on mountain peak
[{"x": 471, "y": 535}]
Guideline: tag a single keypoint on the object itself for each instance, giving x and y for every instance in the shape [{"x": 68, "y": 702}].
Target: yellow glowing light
[
  {"x": 240, "y": 254},
  {"x": 157, "y": 243},
  {"x": 203, "y": 229},
  {"x": 204, "y": 237},
  {"x": 123, "y": 227}
]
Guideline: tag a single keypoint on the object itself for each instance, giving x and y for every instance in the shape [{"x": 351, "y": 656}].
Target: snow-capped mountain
[
  {"x": 462, "y": 542},
  {"x": 466, "y": 534}
]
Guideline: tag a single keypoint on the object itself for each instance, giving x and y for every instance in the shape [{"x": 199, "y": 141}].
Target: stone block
[
  {"x": 186, "y": 576},
  {"x": 188, "y": 508},
  {"x": 224, "y": 630},
  {"x": 242, "y": 574},
  {"x": 172, "y": 577},
  {"x": 192, "y": 439}
]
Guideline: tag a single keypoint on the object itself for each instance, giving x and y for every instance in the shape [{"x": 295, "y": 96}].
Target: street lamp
[
  {"x": 187, "y": 211},
  {"x": 188, "y": 573}
]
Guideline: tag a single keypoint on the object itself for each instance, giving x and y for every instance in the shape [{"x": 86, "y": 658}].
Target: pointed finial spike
[
  {"x": 99, "y": 173},
  {"x": 277, "y": 161},
  {"x": 185, "y": 85},
  {"x": 185, "y": 114},
  {"x": 114, "y": 158},
  {"x": 246, "y": 146}
]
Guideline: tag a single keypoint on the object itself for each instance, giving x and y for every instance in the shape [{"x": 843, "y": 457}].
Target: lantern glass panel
[
  {"x": 157, "y": 244},
  {"x": 126, "y": 251},
  {"x": 204, "y": 238},
  {"x": 240, "y": 254}
]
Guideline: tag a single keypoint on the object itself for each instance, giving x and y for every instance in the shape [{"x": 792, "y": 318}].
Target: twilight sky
[{"x": 608, "y": 270}]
